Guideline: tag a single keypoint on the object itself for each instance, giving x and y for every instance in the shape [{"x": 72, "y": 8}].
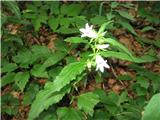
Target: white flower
[
  {"x": 103, "y": 46},
  {"x": 101, "y": 63},
  {"x": 88, "y": 31}
]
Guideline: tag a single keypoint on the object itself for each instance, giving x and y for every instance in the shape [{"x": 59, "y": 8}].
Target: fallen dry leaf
[{"x": 117, "y": 88}]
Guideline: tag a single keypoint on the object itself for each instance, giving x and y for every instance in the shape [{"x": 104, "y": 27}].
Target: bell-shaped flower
[
  {"x": 88, "y": 31},
  {"x": 101, "y": 63},
  {"x": 103, "y": 46}
]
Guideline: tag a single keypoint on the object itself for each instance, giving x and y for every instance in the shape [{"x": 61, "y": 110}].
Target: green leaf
[
  {"x": 71, "y": 10},
  {"x": 39, "y": 71},
  {"x": 147, "y": 28},
  {"x": 156, "y": 43},
  {"x": 3, "y": 19},
  {"x": 21, "y": 79},
  {"x": 87, "y": 101},
  {"x": 7, "y": 79},
  {"x": 125, "y": 24},
  {"x": 42, "y": 18},
  {"x": 98, "y": 20},
  {"x": 40, "y": 51},
  {"x": 14, "y": 38},
  {"x": 69, "y": 114},
  {"x": 54, "y": 7},
  {"x": 125, "y": 14},
  {"x": 79, "y": 21},
  {"x": 104, "y": 26},
  {"x": 70, "y": 59},
  {"x": 64, "y": 21},
  {"x": 13, "y": 7},
  {"x": 101, "y": 115},
  {"x": 54, "y": 91},
  {"x": 61, "y": 45},
  {"x": 9, "y": 104},
  {"x": 36, "y": 24},
  {"x": 152, "y": 110},
  {"x": 114, "y": 4},
  {"x": 142, "y": 81},
  {"x": 9, "y": 67},
  {"x": 76, "y": 40},
  {"x": 122, "y": 98},
  {"x": 124, "y": 56},
  {"x": 124, "y": 77},
  {"x": 24, "y": 58},
  {"x": 66, "y": 30},
  {"x": 53, "y": 72},
  {"x": 117, "y": 45},
  {"x": 30, "y": 94},
  {"x": 154, "y": 77},
  {"x": 53, "y": 23},
  {"x": 44, "y": 99},
  {"x": 67, "y": 74},
  {"x": 56, "y": 57}
]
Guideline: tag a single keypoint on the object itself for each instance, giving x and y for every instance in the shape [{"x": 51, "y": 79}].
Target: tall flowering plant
[{"x": 95, "y": 43}]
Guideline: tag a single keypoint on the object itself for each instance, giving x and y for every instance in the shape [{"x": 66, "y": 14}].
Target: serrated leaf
[
  {"x": 67, "y": 74},
  {"x": 3, "y": 19},
  {"x": 124, "y": 77},
  {"x": 152, "y": 110},
  {"x": 9, "y": 104},
  {"x": 132, "y": 58},
  {"x": 13, "y": 6},
  {"x": 125, "y": 14},
  {"x": 14, "y": 38},
  {"x": 7, "y": 79},
  {"x": 40, "y": 51},
  {"x": 142, "y": 81},
  {"x": 9, "y": 67},
  {"x": 104, "y": 26},
  {"x": 53, "y": 23},
  {"x": 127, "y": 26},
  {"x": 71, "y": 10},
  {"x": 70, "y": 59},
  {"x": 114, "y": 4},
  {"x": 66, "y": 30},
  {"x": 56, "y": 57},
  {"x": 98, "y": 20},
  {"x": 87, "y": 101},
  {"x": 54, "y": 91},
  {"x": 44, "y": 99},
  {"x": 69, "y": 114},
  {"x": 39, "y": 71},
  {"x": 149, "y": 75},
  {"x": 42, "y": 18},
  {"x": 117, "y": 45},
  {"x": 122, "y": 98},
  {"x": 79, "y": 21},
  {"x": 147, "y": 28},
  {"x": 24, "y": 58},
  {"x": 76, "y": 40},
  {"x": 21, "y": 79},
  {"x": 156, "y": 43},
  {"x": 61, "y": 45},
  {"x": 101, "y": 115},
  {"x": 30, "y": 94},
  {"x": 54, "y": 7},
  {"x": 65, "y": 21},
  {"x": 36, "y": 24}
]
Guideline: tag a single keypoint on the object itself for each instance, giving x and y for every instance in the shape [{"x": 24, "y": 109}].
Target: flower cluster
[
  {"x": 101, "y": 63},
  {"x": 88, "y": 31}
]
